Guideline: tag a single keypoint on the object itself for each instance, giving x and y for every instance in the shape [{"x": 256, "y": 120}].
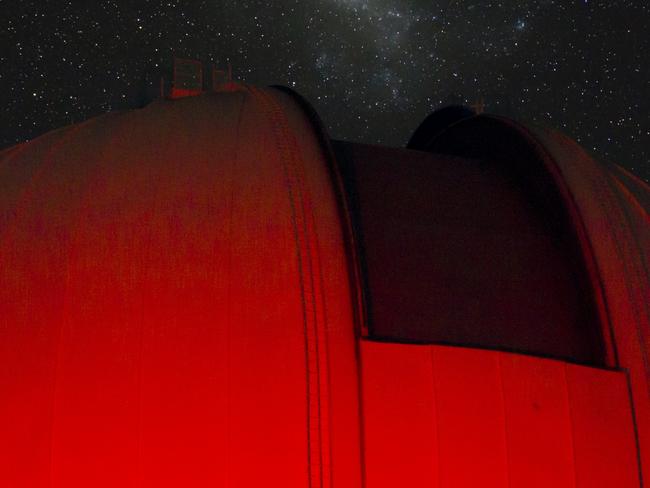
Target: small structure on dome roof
[
  {"x": 479, "y": 106},
  {"x": 222, "y": 80},
  {"x": 188, "y": 78}
]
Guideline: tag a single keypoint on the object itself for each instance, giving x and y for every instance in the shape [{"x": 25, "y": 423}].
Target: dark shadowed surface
[{"x": 456, "y": 251}]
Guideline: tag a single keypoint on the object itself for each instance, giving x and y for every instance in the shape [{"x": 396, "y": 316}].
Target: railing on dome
[{"x": 188, "y": 80}]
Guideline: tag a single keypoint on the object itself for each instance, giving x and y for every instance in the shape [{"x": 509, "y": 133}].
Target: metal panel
[
  {"x": 462, "y": 426},
  {"x": 446, "y": 417}
]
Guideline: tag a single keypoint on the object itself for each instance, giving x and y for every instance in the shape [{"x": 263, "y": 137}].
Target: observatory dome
[{"x": 209, "y": 291}]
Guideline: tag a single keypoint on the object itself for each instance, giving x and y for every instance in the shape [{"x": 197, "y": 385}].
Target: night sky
[{"x": 373, "y": 69}]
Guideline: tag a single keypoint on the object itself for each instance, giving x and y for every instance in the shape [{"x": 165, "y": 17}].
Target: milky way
[{"x": 372, "y": 69}]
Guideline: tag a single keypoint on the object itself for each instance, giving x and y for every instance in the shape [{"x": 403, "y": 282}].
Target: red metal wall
[{"x": 455, "y": 417}]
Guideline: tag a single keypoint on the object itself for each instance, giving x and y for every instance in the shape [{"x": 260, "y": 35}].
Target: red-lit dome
[{"x": 210, "y": 292}]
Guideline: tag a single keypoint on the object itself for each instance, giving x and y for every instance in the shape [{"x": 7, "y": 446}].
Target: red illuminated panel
[
  {"x": 538, "y": 428},
  {"x": 401, "y": 438},
  {"x": 457, "y": 417},
  {"x": 470, "y": 411},
  {"x": 604, "y": 451}
]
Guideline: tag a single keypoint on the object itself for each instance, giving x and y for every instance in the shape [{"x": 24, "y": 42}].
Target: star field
[{"x": 372, "y": 69}]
